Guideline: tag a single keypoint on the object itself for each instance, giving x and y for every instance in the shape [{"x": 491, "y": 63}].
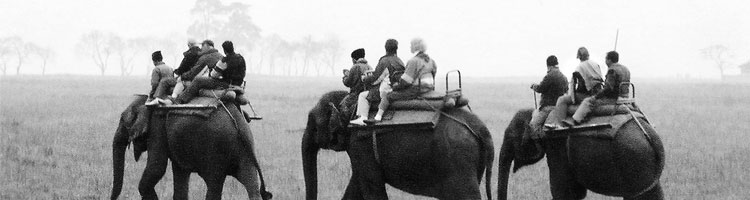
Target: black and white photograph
[{"x": 374, "y": 100}]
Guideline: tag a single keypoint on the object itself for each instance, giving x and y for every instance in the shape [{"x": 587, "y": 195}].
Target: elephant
[
  {"x": 214, "y": 147},
  {"x": 628, "y": 165},
  {"x": 446, "y": 162}
]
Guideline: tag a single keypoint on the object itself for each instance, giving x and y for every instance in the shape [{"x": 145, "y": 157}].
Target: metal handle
[{"x": 446, "y": 79}]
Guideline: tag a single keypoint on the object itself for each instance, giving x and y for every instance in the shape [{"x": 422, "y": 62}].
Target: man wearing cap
[
  {"x": 161, "y": 73},
  {"x": 586, "y": 81},
  {"x": 553, "y": 85},
  {"x": 353, "y": 79}
]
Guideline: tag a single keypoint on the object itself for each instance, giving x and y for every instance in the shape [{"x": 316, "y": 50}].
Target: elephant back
[{"x": 625, "y": 164}]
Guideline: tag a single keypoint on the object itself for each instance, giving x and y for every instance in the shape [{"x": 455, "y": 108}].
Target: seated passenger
[
  {"x": 418, "y": 78},
  {"x": 587, "y": 79},
  {"x": 161, "y": 73},
  {"x": 190, "y": 58},
  {"x": 232, "y": 75},
  {"x": 378, "y": 82},
  {"x": 616, "y": 74},
  {"x": 353, "y": 79},
  {"x": 553, "y": 85}
]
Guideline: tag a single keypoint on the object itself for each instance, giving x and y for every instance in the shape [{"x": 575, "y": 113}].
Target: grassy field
[{"x": 56, "y": 135}]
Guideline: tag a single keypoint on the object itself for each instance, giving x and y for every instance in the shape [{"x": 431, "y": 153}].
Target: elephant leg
[
  {"x": 181, "y": 182},
  {"x": 156, "y": 166},
  {"x": 352, "y": 191},
  {"x": 655, "y": 193},
  {"x": 249, "y": 178},
  {"x": 561, "y": 178},
  {"x": 214, "y": 184},
  {"x": 461, "y": 186},
  {"x": 366, "y": 171}
]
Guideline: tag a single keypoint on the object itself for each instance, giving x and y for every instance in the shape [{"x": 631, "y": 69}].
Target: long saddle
[{"x": 420, "y": 113}]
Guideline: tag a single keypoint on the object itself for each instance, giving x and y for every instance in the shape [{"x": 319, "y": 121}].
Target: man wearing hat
[
  {"x": 161, "y": 73},
  {"x": 353, "y": 79}
]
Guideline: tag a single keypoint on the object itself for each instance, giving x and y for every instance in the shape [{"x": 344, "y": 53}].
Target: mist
[{"x": 661, "y": 39}]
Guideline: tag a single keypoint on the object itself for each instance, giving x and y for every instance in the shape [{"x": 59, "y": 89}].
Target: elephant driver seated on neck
[{"x": 229, "y": 73}]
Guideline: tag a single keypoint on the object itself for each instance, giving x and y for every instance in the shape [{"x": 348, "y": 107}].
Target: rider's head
[
  {"x": 552, "y": 61},
  {"x": 391, "y": 46},
  {"x": 228, "y": 47},
  {"x": 612, "y": 57},
  {"x": 418, "y": 45},
  {"x": 357, "y": 54},
  {"x": 207, "y": 44},
  {"x": 583, "y": 54},
  {"x": 156, "y": 57},
  {"x": 191, "y": 42}
]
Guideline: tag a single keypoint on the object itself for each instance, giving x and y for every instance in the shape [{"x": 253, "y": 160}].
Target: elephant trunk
[
  {"x": 119, "y": 145},
  {"x": 504, "y": 162},
  {"x": 309, "y": 162}
]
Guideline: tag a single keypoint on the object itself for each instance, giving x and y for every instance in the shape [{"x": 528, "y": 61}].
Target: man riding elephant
[
  {"x": 586, "y": 81},
  {"x": 616, "y": 75}
]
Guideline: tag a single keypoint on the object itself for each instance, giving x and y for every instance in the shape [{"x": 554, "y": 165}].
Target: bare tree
[
  {"x": 96, "y": 45},
  {"x": 125, "y": 50},
  {"x": 21, "y": 50},
  {"x": 207, "y": 19},
  {"x": 332, "y": 50},
  {"x": 5, "y": 54},
  {"x": 45, "y": 54},
  {"x": 719, "y": 54}
]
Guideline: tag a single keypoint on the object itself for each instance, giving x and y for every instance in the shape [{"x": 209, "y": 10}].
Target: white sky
[{"x": 482, "y": 38}]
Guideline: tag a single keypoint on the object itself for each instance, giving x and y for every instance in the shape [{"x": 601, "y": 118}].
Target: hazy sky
[{"x": 482, "y": 38}]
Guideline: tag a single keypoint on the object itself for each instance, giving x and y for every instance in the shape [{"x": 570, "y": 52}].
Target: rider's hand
[{"x": 534, "y": 86}]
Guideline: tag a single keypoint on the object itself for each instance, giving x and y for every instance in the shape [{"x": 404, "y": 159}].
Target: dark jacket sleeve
[
  {"x": 351, "y": 79},
  {"x": 545, "y": 84},
  {"x": 190, "y": 57},
  {"x": 610, "y": 85},
  {"x": 195, "y": 69}
]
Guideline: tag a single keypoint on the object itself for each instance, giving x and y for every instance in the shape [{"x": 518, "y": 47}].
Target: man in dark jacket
[
  {"x": 616, "y": 74},
  {"x": 553, "y": 85},
  {"x": 190, "y": 57},
  {"x": 231, "y": 71},
  {"x": 385, "y": 72},
  {"x": 209, "y": 56},
  {"x": 353, "y": 79}
]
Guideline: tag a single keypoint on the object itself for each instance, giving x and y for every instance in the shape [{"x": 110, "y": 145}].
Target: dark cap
[
  {"x": 228, "y": 47},
  {"x": 359, "y": 53},
  {"x": 156, "y": 56},
  {"x": 208, "y": 42}
]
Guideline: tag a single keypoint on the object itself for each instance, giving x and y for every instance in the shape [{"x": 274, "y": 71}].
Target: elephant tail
[
  {"x": 490, "y": 158},
  {"x": 119, "y": 145}
]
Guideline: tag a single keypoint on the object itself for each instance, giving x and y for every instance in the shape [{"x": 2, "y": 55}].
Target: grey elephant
[
  {"x": 214, "y": 147},
  {"x": 628, "y": 165},
  {"x": 446, "y": 162}
]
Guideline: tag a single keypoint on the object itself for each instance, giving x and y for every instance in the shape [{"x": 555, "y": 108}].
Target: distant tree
[
  {"x": 45, "y": 54},
  {"x": 332, "y": 51},
  {"x": 310, "y": 51},
  {"x": 207, "y": 18},
  {"x": 719, "y": 54},
  {"x": 5, "y": 55},
  {"x": 125, "y": 50},
  {"x": 21, "y": 50},
  {"x": 241, "y": 30},
  {"x": 97, "y": 46}
]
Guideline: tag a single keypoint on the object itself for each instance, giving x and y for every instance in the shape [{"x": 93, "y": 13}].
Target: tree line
[
  {"x": 214, "y": 20},
  {"x": 15, "y": 52}
]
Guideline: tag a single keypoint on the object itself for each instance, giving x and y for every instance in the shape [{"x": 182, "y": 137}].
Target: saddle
[{"x": 420, "y": 113}]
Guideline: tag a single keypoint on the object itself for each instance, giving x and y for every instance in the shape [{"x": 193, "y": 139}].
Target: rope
[{"x": 265, "y": 195}]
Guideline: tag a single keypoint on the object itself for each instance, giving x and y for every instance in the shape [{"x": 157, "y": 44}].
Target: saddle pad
[
  {"x": 433, "y": 95},
  {"x": 615, "y": 123},
  {"x": 416, "y": 104},
  {"x": 410, "y": 119},
  {"x": 199, "y": 106}
]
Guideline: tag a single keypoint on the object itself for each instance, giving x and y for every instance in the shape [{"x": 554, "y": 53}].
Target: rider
[
  {"x": 553, "y": 85},
  {"x": 418, "y": 78},
  {"x": 220, "y": 77},
  {"x": 161, "y": 73},
  {"x": 379, "y": 81},
  {"x": 616, "y": 74},
  {"x": 588, "y": 77},
  {"x": 353, "y": 79},
  {"x": 190, "y": 57}
]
